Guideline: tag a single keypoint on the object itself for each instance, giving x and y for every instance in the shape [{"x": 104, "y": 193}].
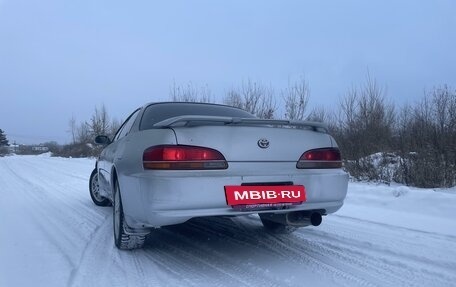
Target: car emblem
[{"x": 263, "y": 143}]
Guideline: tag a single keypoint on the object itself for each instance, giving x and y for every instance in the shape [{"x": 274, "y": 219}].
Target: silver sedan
[{"x": 170, "y": 162}]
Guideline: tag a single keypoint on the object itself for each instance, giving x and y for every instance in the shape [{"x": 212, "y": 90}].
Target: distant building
[
  {"x": 40, "y": 148},
  {"x": 13, "y": 148}
]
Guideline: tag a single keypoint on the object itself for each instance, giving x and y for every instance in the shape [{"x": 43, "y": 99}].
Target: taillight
[
  {"x": 183, "y": 157},
  {"x": 320, "y": 158}
]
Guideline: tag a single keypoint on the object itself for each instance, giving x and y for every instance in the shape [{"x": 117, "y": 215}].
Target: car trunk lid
[{"x": 253, "y": 143}]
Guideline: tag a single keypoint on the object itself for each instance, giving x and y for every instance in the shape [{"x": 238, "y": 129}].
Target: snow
[{"x": 51, "y": 234}]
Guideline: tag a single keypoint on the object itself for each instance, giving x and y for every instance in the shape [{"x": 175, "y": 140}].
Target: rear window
[{"x": 158, "y": 112}]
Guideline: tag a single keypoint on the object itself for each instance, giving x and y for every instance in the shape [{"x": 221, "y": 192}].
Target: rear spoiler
[{"x": 317, "y": 126}]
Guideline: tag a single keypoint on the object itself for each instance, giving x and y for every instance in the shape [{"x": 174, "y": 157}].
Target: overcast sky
[{"x": 60, "y": 59}]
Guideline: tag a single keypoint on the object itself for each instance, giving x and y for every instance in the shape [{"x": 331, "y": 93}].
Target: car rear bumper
[{"x": 162, "y": 198}]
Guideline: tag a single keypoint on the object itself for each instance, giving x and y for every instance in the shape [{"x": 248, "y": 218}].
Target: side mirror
[{"x": 102, "y": 140}]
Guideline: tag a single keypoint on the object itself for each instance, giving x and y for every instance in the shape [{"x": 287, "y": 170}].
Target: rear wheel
[
  {"x": 124, "y": 237},
  {"x": 276, "y": 227},
  {"x": 94, "y": 189}
]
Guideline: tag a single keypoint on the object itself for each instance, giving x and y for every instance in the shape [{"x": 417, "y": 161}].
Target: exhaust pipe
[
  {"x": 295, "y": 218},
  {"x": 303, "y": 218}
]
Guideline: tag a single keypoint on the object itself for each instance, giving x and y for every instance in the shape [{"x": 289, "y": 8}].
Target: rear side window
[
  {"x": 158, "y": 112},
  {"x": 126, "y": 126}
]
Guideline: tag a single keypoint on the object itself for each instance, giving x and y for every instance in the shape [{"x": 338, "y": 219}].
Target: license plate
[{"x": 267, "y": 195}]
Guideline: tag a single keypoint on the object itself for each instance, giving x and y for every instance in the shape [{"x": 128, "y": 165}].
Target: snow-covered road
[{"x": 51, "y": 234}]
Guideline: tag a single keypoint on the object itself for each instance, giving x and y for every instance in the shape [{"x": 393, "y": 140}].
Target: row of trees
[
  {"x": 83, "y": 134},
  {"x": 99, "y": 124},
  {"x": 256, "y": 98},
  {"x": 425, "y": 139},
  {"x": 414, "y": 144}
]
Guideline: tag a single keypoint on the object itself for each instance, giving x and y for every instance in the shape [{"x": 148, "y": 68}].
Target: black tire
[
  {"x": 123, "y": 239},
  {"x": 94, "y": 189},
  {"x": 275, "y": 227}
]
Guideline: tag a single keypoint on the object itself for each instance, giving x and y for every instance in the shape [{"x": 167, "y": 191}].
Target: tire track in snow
[
  {"x": 41, "y": 196},
  {"x": 35, "y": 214},
  {"x": 192, "y": 258},
  {"x": 101, "y": 261},
  {"x": 89, "y": 264},
  {"x": 190, "y": 268},
  {"x": 183, "y": 274},
  {"x": 69, "y": 188},
  {"x": 61, "y": 198},
  {"x": 368, "y": 267},
  {"x": 255, "y": 236},
  {"x": 175, "y": 249},
  {"x": 393, "y": 248},
  {"x": 230, "y": 236},
  {"x": 368, "y": 255}
]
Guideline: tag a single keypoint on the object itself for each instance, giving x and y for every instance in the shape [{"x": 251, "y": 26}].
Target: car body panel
[
  {"x": 240, "y": 143},
  {"x": 192, "y": 194}
]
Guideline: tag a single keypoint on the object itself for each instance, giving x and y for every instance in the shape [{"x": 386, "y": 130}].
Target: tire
[
  {"x": 94, "y": 189},
  {"x": 275, "y": 227},
  {"x": 124, "y": 240}
]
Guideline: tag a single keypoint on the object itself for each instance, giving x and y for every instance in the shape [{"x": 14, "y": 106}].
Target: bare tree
[
  {"x": 99, "y": 122},
  {"x": 365, "y": 127},
  {"x": 366, "y": 121},
  {"x": 345, "y": 129},
  {"x": 113, "y": 127},
  {"x": 267, "y": 104},
  {"x": 233, "y": 98},
  {"x": 348, "y": 109},
  {"x": 444, "y": 134},
  {"x": 83, "y": 133},
  {"x": 296, "y": 97},
  {"x": 190, "y": 93},
  {"x": 251, "y": 93},
  {"x": 254, "y": 98},
  {"x": 320, "y": 114},
  {"x": 72, "y": 125}
]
